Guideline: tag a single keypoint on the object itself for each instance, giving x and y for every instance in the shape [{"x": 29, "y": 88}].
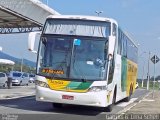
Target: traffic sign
[{"x": 155, "y": 59}]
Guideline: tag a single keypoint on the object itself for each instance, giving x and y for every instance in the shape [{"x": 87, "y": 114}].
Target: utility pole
[
  {"x": 143, "y": 67},
  {"x": 22, "y": 65},
  {"x": 143, "y": 74},
  {"x": 154, "y": 76},
  {"x": 148, "y": 74}
]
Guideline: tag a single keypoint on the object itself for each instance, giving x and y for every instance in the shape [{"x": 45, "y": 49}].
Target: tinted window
[
  {"x": 15, "y": 74},
  {"x": 2, "y": 75},
  {"x": 120, "y": 39},
  {"x": 77, "y": 27},
  {"x": 25, "y": 75},
  {"x": 126, "y": 47},
  {"x": 31, "y": 75}
]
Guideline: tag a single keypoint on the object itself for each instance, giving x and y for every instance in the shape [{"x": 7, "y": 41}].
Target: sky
[{"x": 140, "y": 18}]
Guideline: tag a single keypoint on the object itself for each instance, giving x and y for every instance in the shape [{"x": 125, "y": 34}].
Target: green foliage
[
  {"x": 156, "y": 86},
  {"x": 17, "y": 67}
]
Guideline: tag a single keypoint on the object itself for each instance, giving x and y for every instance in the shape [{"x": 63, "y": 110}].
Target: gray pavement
[
  {"x": 17, "y": 92},
  {"x": 28, "y": 108},
  {"x": 27, "y": 105},
  {"x": 150, "y": 104}
]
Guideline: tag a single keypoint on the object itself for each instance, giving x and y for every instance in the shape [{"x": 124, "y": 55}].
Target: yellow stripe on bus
[
  {"x": 131, "y": 76},
  {"x": 57, "y": 84},
  {"x": 61, "y": 85}
]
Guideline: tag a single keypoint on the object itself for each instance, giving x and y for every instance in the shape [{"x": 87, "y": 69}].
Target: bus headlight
[
  {"x": 41, "y": 84},
  {"x": 96, "y": 88}
]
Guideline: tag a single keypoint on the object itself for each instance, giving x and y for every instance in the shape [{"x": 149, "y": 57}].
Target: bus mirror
[
  {"x": 111, "y": 47},
  {"x": 31, "y": 41}
]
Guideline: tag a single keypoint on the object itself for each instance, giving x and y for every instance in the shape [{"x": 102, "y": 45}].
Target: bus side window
[
  {"x": 119, "y": 51},
  {"x": 111, "y": 71},
  {"x": 114, "y": 30},
  {"x": 124, "y": 46}
]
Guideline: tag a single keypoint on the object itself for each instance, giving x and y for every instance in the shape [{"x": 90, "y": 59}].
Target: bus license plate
[{"x": 67, "y": 97}]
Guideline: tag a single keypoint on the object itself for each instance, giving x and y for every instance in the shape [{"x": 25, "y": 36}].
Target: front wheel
[
  {"x": 57, "y": 105},
  {"x": 110, "y": 107}
]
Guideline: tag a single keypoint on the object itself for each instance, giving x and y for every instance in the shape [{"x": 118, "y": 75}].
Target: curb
[{"x": 132, "y": 105}]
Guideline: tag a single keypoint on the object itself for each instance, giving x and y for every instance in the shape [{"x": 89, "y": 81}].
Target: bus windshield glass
[
  {"x": 73, "y": 58},
  {"x": 77, "y": 27}
]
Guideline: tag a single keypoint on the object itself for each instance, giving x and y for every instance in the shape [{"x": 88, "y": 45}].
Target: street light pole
[
  {"x": 143, "y": 74},
  {"x": 143, "y": 67},
  {"x": 148, "y": 75},
  {"x": 47, "y": 2},
  {"x": 22, "y": 65},
  {"x": 98, "y": 12},
  {"x": 154, "y": 75}
]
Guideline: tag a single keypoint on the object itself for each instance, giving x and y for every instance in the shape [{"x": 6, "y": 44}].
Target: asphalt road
[{"x": 27, "y": 108}]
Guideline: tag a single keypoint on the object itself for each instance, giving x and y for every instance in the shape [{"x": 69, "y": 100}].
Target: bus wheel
[
  {"x": 57, "y": 105},
  {"x": 127, "y": 99},
  {"x": 110, "y": 107}
]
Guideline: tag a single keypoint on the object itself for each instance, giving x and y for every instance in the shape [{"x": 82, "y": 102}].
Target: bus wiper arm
[
  {"x": 77, "y": 70},
  {"x": 83, "y": 80}
]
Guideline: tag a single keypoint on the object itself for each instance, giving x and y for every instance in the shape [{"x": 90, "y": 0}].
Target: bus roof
[{"x": 83, "y": 17}]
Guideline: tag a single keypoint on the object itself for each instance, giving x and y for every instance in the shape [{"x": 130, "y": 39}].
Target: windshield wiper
[
  {"x": 84, "y": 80},
  {"x": 77, "y": 70},
  {"x": 82, "y": 76}
]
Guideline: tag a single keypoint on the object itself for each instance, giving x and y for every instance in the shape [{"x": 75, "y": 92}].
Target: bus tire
[
  {"x": 127, "y": 99},
  {"x": 57, "y": 105},
  {"x": 110, "y": 107}
]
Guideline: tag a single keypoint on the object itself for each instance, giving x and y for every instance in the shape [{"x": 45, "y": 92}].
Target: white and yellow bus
[{"x": 84, "y": 60}]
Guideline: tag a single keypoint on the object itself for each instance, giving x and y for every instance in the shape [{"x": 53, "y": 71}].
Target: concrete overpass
[{"x": 21, "y": 16}]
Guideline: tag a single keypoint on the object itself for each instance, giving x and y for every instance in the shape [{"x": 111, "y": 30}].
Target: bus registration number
[{"x": 67, "y": 97}]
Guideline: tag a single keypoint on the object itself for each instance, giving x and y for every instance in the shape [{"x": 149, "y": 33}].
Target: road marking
[
  {"x": 145, "y": 97},
  {"x": 148, "y": 100},
  {"x": 127, "y": 109},
  {"x": 124, "y": 104}
]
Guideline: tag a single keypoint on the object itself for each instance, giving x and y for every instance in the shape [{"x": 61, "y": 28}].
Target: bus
[{"x": 84, "y": 60}]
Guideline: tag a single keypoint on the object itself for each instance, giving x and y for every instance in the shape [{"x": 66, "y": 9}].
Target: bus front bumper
[{"x": 97, "y": 99}]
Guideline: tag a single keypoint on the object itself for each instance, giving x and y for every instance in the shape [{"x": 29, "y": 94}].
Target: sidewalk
[
  {"x": 17, "y": 92},
  {"x": 150, "y": 104}
]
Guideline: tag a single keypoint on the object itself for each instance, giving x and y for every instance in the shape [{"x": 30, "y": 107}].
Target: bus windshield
[
  {"x": 73, "y": 58},
  {"x": 77, "y": 27}
]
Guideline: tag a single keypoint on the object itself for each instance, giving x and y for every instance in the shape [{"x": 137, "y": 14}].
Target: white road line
[
  {"x": 124, "y": 104},
  {"x": 148, "y": 100}
]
